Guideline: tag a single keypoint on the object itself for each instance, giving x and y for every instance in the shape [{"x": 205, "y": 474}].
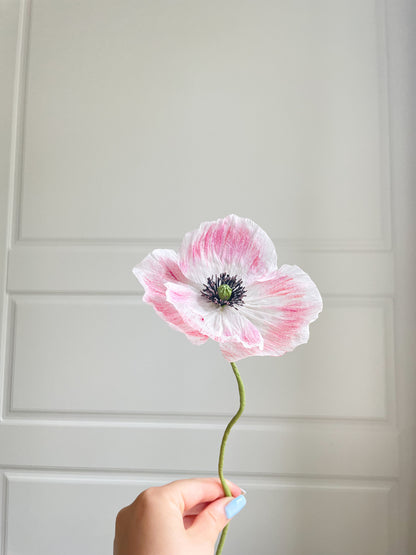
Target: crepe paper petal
[
  {"x": 154, "y": 272},
  {"x": 233, "y": 245},
  {"x": 282, "y": 309},
  {"x": 225, "y": 285}
]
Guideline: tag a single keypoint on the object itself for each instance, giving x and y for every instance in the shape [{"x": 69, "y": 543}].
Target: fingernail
[
  {"x": 235, "y": 506},
  {"x": 243, "y": 491}
]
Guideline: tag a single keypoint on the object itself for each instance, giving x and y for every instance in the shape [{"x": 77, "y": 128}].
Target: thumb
[{"x": 209, "y": 523}]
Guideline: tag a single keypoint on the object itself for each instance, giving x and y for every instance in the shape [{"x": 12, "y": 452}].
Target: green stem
[{"x": 223, "y": 444}]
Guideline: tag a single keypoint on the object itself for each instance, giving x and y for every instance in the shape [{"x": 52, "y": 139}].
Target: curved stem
[
  {"x": 223, "y": 444},
  {"x": 222, "y": 540}
]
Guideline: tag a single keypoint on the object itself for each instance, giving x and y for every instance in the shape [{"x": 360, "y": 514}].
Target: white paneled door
[{"x": 124, "y": 124}]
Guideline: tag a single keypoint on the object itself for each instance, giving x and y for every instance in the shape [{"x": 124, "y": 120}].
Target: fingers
[
  {"x": 194, "y": 511},
  {"x": 188, "y": 494}
]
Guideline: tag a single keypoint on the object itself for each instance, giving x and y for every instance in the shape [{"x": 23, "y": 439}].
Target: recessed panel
[
  {"x": 314, "y": 520},
  {"x": 144, "y": 118},
  {"x": 343, "y": 371},
  {"x": 65, "y": 516},
  {"x": 68, "y": 515},
  {"x": 115, "y": 355}
]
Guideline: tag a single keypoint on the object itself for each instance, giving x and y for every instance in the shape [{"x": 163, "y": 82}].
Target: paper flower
[{"x": 224, "y": 284}]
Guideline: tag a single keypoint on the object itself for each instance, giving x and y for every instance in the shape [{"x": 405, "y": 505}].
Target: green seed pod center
[{"x": 224, "y": 292}]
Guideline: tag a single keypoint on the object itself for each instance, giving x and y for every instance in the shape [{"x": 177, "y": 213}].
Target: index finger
[{"x": 186, "y": 494}]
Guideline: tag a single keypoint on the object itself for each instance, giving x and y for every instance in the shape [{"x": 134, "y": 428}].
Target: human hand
[{"x": 180, "y": 518}]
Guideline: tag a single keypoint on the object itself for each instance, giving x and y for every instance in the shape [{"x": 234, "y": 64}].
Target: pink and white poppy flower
[{"x": 224, "y": 284}]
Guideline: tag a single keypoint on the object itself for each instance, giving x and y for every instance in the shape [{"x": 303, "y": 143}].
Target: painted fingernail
[{"x": 235, "y": 506}]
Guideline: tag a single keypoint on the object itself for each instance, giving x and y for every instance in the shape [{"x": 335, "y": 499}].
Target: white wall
[{"x": 126, "y": 124}]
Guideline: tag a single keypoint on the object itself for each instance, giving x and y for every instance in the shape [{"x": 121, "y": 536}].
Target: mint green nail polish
[{"x": 235, "y": 506}]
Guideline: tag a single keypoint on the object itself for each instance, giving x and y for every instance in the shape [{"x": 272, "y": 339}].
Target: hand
[{"x": 180, "y": 518}]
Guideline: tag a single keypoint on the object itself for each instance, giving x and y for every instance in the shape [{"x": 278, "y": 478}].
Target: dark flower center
[{"x": 224, "y": 290}]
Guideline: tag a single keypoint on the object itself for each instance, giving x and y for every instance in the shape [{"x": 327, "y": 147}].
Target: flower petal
[
  {"x": 234, "y": 245},
  {"x": 282, "y": 309},
  {"x": 221, "y": 324},
  {"x": 159, "y": 268}
]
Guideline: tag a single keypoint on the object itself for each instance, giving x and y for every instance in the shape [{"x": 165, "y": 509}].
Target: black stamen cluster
[{"x": 210, "y": 290}]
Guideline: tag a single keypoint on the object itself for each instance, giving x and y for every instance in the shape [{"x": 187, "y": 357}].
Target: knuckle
[
  {"x": 147, "y": 499},
  {"x": 120, "y": 518},
  {"x": 147, "y": 495}
]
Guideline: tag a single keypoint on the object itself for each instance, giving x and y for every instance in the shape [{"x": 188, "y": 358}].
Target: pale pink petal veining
[
  {"x": 282, "y": 309},
  {"x": 234, "y": 245},
  {"x": 157, "y": 269}
]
